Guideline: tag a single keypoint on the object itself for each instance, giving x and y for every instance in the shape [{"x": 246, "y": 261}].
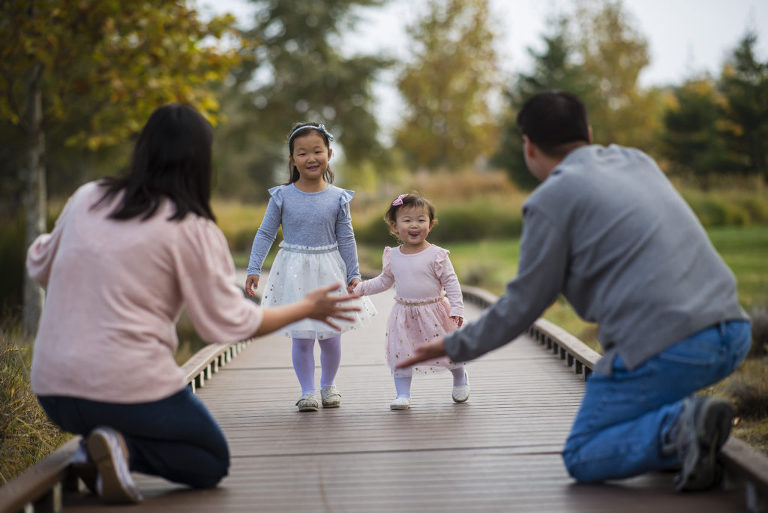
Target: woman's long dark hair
[{"x": 171, "y": 159}]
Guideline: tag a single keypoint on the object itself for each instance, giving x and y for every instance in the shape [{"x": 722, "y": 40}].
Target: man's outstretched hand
[{"x": 429, "y": 351}]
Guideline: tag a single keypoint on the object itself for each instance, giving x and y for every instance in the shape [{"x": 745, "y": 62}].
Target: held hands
[
  {"x": 324, "y": 307},
  {"x": 428, "y": 351},
  {"x": 458, "y": 320},
  {"x": 352, "y": 285},
  {"x": 251, "y": 284}
]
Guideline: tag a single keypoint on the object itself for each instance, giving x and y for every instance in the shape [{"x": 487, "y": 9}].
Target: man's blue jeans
[
  {"x": 620, "y": 428},
  {"x": 175, "y": 438}
]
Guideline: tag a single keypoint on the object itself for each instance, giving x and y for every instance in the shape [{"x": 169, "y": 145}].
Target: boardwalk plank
[{"x": 498, "y": 452}]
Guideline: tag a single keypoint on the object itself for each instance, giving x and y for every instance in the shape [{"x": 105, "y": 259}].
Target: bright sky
[{"x": 686, "y": 37}]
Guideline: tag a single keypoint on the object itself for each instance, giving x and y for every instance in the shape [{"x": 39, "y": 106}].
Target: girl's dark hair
[
  {"x": 552, "y": 120},
  {"x": 171, "y": 159},
  {"x": 319, "y": 129},
  {"x": 410, "y": 200}
]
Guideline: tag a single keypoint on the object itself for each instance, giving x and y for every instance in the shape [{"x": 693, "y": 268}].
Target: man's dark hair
[
  {"x": 554, "y": 119},
  {"x": 171, "y": 159}
]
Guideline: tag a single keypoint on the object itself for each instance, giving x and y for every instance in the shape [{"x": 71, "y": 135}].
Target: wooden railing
[
  {"x": 744, "y": 466},
  {"x": 41, "y": 487}
]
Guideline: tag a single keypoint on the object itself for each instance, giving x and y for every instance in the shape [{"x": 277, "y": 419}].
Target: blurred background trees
[{"x": 78, "y": 78}]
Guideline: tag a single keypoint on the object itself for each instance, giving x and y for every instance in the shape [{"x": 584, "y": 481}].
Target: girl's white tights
[
  {"x": 403, "y": 380},
  {"x": 303, "y": 356}
]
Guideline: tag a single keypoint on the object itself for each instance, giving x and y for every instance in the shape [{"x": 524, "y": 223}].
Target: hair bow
[{"x": 399, "y": 200}]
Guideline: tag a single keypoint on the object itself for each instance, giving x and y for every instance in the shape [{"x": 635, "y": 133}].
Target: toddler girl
[
  {"x": 428, "y": 301},
  {"x": 318, "y": 249}
]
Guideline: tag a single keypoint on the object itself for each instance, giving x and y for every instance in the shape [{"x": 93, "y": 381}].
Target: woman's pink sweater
[{"x": 114, "y": 292}]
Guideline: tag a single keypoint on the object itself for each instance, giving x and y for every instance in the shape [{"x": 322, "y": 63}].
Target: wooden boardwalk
[{"x": 498, "y": 452}]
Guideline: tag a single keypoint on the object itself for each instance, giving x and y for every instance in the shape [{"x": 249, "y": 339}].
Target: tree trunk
[{"x": 34, "y": 194}]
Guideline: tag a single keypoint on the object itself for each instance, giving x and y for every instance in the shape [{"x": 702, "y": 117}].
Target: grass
[{"x": 26, "y": 434}]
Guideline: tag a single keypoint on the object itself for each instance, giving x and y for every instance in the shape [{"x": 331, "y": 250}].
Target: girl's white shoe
[
  {"x": 460, "y": 394},
  {"x": 400, "y": 403},
  {"x": 308, "y": 402}
]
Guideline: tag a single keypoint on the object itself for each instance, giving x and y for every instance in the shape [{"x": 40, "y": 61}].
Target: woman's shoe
[
  {"x": 107, "y": 449},
  {"x": 400, "y": 403},
  {"x": 331, "y": 397},
  {"x": 308, "y": 402}
]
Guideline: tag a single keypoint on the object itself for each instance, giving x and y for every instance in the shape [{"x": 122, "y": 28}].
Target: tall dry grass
[{"x": 26, "y": 434}]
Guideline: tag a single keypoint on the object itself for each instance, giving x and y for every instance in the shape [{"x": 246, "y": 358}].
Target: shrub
[{"x": 759, "y": 318}]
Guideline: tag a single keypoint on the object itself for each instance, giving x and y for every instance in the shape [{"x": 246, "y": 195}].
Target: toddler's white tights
[{"x": 404, "y": 377}]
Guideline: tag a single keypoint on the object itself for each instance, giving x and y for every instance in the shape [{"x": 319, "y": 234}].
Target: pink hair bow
[{"x": 399, "y": 200}]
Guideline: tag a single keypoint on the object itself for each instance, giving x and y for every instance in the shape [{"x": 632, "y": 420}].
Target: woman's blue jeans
[
  {"x": 175, "y": 438},
  {"x": 620, "y": 428}
]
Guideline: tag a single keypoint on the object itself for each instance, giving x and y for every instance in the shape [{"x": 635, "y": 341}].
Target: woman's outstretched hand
[
  {"x": 325, "y": 307},
  {"x": 251, "y": 284},
  {"x": 428, "y": 351}
]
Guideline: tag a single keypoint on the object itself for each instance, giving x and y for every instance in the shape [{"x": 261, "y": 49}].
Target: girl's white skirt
[{"x": 301, "y": 269}]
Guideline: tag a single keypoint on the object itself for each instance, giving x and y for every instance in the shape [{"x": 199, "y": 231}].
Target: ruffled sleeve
[
  {"x": 447, "y": 276},
  {"x": 276, "y": 193},
  {"x": 345, "y": 197},
  {"x": 382, "y": 282}
]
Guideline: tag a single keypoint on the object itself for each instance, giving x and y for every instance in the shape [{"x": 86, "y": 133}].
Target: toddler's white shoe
[
  {"x": 331, "y": 397},
  {"x": 461, "y": 394},
  {"x": 114, "y": 484},
  {"x": 308, "y": 402},
  {"x": 400, "y": 403}
]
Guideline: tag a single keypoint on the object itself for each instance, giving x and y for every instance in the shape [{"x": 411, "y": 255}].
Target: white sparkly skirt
[{"x": 301, "y": 269}]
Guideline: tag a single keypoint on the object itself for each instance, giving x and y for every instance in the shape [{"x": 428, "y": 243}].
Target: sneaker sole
[
  {"x": 399, "y": 406},
  {"x": 113, "y": 489},
  {"x": 712, "y": 431},
  {"x": 332, "y": 405}
]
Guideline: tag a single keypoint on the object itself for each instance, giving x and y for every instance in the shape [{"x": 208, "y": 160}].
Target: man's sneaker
[
  {"x": 107, "y": 449},
  {"x": 460, "y": 394},
  {"x": 308, "y": 402},
  {"x": 401, "y": 403},
  {"x": 701, "y": 430},
  {"x": 330, "y": 396}
]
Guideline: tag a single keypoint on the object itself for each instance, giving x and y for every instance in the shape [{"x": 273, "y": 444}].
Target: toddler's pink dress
[{"x": 427, "y": 294}]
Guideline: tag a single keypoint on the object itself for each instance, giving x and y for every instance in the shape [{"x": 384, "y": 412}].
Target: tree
[
  {"x": 693, "y": 142},
  {"x": 613, "y": 54},
  {"x": 447, "y": 86},
  {"x": 554, "y": 68},
  {"x": 744, "y": 83},
  {"x": 293, "y": 70},
  {"x": 99, "y": 68}
]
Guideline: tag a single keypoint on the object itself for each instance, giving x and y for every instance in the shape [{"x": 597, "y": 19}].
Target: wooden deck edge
[
  {"x": 743, "y": 464},
  {"x": 41, "y": 486}
]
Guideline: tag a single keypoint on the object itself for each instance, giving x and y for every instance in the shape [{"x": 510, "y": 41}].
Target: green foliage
[
  {"x": 553, "y": 70},
  {"x": 458, "y": 222},
  {"x": 744, "y": 83},
  {"x": 596, "y": 53},
  {"x": 446, "y": 87},
  {"x": 107, "y": 65},
  {"x": 293, "y": 70},
  {"x": 692, "y": 141}
]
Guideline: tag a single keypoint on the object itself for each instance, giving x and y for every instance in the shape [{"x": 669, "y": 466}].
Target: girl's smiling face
[
  {"x": 310, "y": 156},
  {"x": 412, "y": 225}
]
